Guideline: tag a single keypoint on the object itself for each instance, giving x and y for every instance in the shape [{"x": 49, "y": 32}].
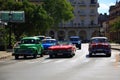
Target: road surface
[{"x": 79, "y": 67}]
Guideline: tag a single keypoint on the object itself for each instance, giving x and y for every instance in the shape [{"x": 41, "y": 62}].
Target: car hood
[
  {"x": 60, "y": 47},
  {"x": 75, "y": 42},
  {"x": 100, "y": 44},
  {"x": 46, "y": 45},
  {"x": 27, "y": 45}
]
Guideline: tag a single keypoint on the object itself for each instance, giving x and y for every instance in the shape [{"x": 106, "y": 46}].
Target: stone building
[
  {"x": 85, "y": 23},
  {"x": 114, "y": 12}
]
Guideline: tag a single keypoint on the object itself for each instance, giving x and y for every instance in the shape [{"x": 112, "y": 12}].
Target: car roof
[
  {"x": 99, "y": 38},
  {"x": 48, "y": 39},
  {"x": 30, "y": 38},
  {"x": 74, "y": 37}
]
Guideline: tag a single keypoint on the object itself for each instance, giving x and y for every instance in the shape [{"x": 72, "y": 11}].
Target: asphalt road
[{"x": 79, "y": 67}]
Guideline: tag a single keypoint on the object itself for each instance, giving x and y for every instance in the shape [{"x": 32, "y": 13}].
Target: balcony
[
  {"x": 81, "y": 4},
  {"x": 94, "y": 5},
  {"x": 92, "y": 14},
  {"x": 82, "y": 14}
]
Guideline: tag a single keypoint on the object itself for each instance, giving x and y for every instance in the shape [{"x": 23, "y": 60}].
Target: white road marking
[
  {"x": 46, "y": 61},
  {"x": 86, "y": 60},
  {"x": 59, "y": 61}
]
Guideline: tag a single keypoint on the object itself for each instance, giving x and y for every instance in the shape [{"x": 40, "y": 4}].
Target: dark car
[
  {"x": 76, "y": 40},
  {"x": 99, "y": 45},
  {"x": 63, "y": 48}
]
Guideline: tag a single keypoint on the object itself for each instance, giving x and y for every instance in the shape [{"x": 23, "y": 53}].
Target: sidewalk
[
  {"x": 6, "y": 54},
  {"x": 115, "y": 46}
]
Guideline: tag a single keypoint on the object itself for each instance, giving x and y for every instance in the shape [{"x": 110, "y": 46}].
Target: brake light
[{"x": 92, "y": 45}]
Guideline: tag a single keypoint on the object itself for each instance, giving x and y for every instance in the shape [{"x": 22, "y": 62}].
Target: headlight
[
  {"x": 50, "y": 50},
  {"x": 69, "y": 50}
]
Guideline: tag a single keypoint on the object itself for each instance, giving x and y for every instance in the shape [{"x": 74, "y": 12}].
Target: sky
[{"x": 104, "y": 5}]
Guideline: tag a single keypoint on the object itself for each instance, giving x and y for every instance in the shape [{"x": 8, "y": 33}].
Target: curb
[
  {"x": 4, "y": 57},
  {"x": 116, "y": 49}
]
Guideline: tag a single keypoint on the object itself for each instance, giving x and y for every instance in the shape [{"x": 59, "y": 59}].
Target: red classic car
[
  {"x": 99, "y": 45},
  {"x": 63, "y": 48}
]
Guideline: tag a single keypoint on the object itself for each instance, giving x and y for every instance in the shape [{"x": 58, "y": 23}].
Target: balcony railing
[{"x": 82, "y": 4}]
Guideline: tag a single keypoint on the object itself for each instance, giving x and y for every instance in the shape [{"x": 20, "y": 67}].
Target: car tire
[
  {"x": 35, "y": 56},
  {"x": 51, "y": 56},
  {"x": 79, "y": 47},
  {"x": 41, "y": 55},
  {"x": 90, "y": 54},
  {"x": 16, "y": 56},
  {"x": 25, "y": 56},
  {"x": 108, "y": 55}
]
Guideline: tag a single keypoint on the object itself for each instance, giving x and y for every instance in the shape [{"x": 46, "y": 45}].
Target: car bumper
[
  {"x": 65, "y": 53},
  {"x": 23, "y": 52},
  {"x": 100, "y": 51}
]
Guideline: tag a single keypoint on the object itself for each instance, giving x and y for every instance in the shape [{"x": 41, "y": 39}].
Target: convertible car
[{"x": 63, "y": 48}]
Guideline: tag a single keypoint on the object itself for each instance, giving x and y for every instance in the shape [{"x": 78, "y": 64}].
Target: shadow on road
[{"x": 96, "y": 56}]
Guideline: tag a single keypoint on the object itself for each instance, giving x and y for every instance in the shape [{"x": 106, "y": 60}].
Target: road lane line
[
  {"x": 59, "y": 61},
  {"x": 46, "y": 61}
]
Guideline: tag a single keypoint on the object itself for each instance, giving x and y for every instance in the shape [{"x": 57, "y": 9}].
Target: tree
[
  {"x": 59, "y": 10},
  {"x": 115, "y": 24}
]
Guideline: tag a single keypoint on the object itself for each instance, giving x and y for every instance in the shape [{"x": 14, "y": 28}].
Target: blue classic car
[{"x": 48, "y": 43}]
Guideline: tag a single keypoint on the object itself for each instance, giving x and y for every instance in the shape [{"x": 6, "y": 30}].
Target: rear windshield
[
  {"x": 28, "y": 41},
  {"x": 49, "y": 41},
  {"x": 74, "y": 39},
  {"x": 99, "y": 40}
]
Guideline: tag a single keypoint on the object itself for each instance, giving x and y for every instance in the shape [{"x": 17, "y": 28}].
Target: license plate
[
  {"x": 99, "y": 49},
  {"x": 59, "y": 54}
]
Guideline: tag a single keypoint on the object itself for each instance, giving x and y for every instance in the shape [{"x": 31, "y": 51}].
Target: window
[
  {"x": 93, "y": 1},
  {"x": 92, "y": 22},
  {"x": 82, "y": 22}
]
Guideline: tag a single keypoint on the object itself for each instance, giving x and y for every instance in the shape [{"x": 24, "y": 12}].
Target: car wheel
[
  {"x": 51, "y": 56},
  {"x": 41, "y": 55},
  {"x": 16, "y": 56},
  {"x": 79, "y": 47},
  {"x": 25, "y": 56},
  {"x": 90, "y": 54},
  {"x": 35, "y": 56},
  {"x": 108, "y": 55}
]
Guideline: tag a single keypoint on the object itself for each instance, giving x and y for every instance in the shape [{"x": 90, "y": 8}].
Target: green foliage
[
  {"x": 115, "y": 25},
  {"x": 38, "y": 17},
  {"x": 59, "y": 10}
]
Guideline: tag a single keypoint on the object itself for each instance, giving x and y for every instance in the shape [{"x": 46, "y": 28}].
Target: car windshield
[
  {"x": 64, "y": 43},
  {"x": 74, "y": 39},
  {"x": 28, "y": 41},
  {"x": 99, "y": 40},
  {"x": 49, "y": 41}
]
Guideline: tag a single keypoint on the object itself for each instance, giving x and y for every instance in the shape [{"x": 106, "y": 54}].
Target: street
[{"x": 79, "y": 67}]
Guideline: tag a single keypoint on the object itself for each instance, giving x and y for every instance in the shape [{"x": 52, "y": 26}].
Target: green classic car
[{"x": 28, "y": 46}]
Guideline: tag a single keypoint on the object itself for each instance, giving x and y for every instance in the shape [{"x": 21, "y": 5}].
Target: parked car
[
  {"x": 76, "y": 40},
  {"x": 47, "y": 43},
  {"x": 41, "y": 37},
  {"x": 63, "y": 48},
  {"x": 28, "y": 46},
  {"x": 99, "y": 45},
  {"x": 48, "y": 37}
]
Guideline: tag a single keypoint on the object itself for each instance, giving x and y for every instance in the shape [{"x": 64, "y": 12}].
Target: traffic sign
[
  {"x": 18, "y": 16},
  {"x": 4, "y": 16},
  {"x": 12, "y": 16}
]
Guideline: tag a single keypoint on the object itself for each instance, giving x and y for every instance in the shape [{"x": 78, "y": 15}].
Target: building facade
[
  {"x": 114, "y": 13},
  {"x": 85, "y": 23}
]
